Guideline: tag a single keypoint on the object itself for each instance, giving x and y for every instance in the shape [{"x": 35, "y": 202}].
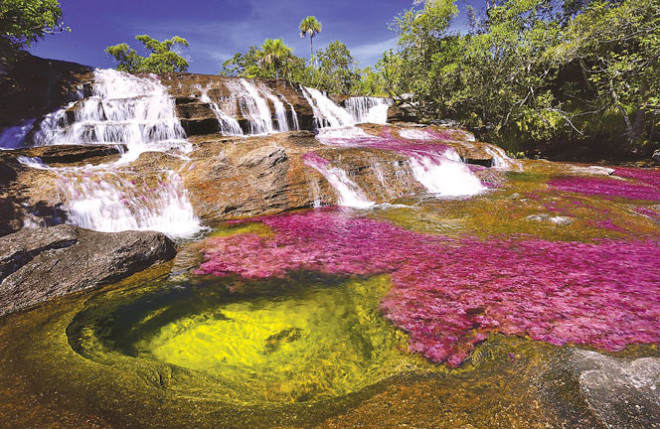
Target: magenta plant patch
[
  {"x": 638, "y": 185},
  {"x": 449, "y": 294}
]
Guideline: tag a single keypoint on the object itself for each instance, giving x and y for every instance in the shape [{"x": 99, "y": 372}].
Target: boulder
[
  {"x": 401, "y": 113},
  {"x": 621, "y": 393},
  {"x": 40, "y": 264}
]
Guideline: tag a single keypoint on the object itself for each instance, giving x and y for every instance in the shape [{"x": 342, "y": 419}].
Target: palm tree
[
  {"x": 276, "y": 53},
  {"x": 311, "y": 26}
]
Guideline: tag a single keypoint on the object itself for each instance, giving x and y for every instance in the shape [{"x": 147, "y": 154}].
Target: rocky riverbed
[{"x": 196, "y": 251}]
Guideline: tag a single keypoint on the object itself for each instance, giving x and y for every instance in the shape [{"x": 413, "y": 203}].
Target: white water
[
  {"x": 105, "y": 201},
  {"x": 368, "y": 109},
  {"x": 280, "y": 110},
  {"x": 228, "y": 125},
  {"x": 252, "y": 106},
  {"x": 326, "y": 112},
  {"x": 137, "y": 112},
  {"x": 294, "y": 117},
  {"x": 123, "y": 108},
  {"x": 442, "y": 173},
  {"x": 349, "y": 193},
  {"x": 501, "y": 161},
  {"x": 13, "y": 137},
  {"x": 445, "y": 175}
]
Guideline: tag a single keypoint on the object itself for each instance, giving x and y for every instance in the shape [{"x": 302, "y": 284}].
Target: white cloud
[{"x": 368, "y": 54}]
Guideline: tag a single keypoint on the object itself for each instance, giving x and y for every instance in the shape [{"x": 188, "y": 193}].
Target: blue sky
[{"x": 218, "y": 29}]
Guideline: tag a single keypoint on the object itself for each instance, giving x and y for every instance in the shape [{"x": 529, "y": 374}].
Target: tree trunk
[{"x": 311, "y": 49}]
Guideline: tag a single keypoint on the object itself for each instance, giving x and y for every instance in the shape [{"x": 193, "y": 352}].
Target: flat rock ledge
[{"x": 40, "y": 264}]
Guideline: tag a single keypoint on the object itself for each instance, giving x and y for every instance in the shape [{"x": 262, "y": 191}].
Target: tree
[
  {"x": 273, "y": 59},
  {"x": 337, "y": 69},
  {"x": 23, "y": 22},
  {"x": 617, "y": 47},
  {"x": 162, "y": 58},
  {"x": 276, "y": 54},
  {"x": 310, "y": 26}
]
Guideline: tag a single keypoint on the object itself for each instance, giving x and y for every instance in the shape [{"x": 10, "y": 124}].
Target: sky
[{"x": 216, "y": 30}]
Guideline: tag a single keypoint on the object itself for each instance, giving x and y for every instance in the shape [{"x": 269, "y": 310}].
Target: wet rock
[
  {"x": 401, "y": 113},
  {"x": 557, "y": 220},
  {"x": 593, "y": 170},
  {"x": 621, "y": 393},
  {"x": 197, "y": 116},
  {"x": 40, "y": 264},
  {"x": 71, "y": 154}
]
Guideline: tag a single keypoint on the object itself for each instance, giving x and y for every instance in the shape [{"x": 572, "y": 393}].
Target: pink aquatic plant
[
  {"x": 449, "y": 294},
  {"x": 608, "y": 187}
]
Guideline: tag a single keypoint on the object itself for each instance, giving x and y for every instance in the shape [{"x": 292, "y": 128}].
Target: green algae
[
  {"x": 84, "y": 361},
  {"x": 509, "y": 211},
  {"x": 277, "y": 341}
]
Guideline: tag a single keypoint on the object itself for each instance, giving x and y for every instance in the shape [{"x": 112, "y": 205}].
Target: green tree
[
  {"x": 276, "y": 55},
  {"x": 162, "y": 58},
  {"x": 337, "y": 69},
  {"x": 617, "y": 48},
  {"x": 23, "y": 22},
  {"x": 310, "y": 26}
]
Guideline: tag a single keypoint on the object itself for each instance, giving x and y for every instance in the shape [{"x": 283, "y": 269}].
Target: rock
[
  {"x": 557, "y": 220},
  {"x": 40, "y": 264},
  {"x": 656, "y": 157},
  {"x": 593, "y": 170},
  {"x": 37, "y": 86},
  {"x": 71, "y": 154},
  {"x": 197, "y": 116},
  {"x": 621, "y": 393},
  {"x": 401, "y": 113}
]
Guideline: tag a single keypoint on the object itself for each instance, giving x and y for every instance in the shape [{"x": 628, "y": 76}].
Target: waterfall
[
  {"x": 123, "y": 108},
  {"x": 501, "y": 161},
  {"x": 326, "y": 112},
  {"x": 368, "y": 109},
  {"x": 139, "y": 113},
  {"x": 445, "y": 175},
  {"x": 294, "y": 117},
  {"x": 349, "y": 193},
  {"x": 252, "y": 106},
  {"x": 280, "y": 110},
  {"x": 228, "y": 125},
  {"x": 13, "y": 137},
  {"x": 105, "y": 201},
  {"x": 438, "y": 168}
]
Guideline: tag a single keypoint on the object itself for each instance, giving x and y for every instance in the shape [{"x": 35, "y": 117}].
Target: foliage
[
  {"x": 162, "y": 58},
  {"x": 336, "y": 70},
  {"x": 276, "y": 54},
  {"x": 310, "y": 26},
  {"x": 534, "y": 71},
  {"x": 23, "y": 22}
]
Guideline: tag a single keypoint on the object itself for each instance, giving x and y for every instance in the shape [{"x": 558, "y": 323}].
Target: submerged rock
[
  {"x": 39, "y": 264},
  {"x": 621, "y": 393}
]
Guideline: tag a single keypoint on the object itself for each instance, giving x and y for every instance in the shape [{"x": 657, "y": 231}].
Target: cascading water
[
  {"x": 252, "y": 106},
  {"x": 13, "y": 137},
  {"x": 444, "y": 174},
  {"x": 139, "y": 113},
  {"x": 438, "y": 168},
  {"x": 501, "y": 161},
  {"x": 368, "y": 109},
  {"x": 349, "y": 193},
  {"x": 228, "y": 125},
  {"x": 326, "y": 112},
  {"x": 280, "y": 110},
  {"x": 123, "y": 108}
]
